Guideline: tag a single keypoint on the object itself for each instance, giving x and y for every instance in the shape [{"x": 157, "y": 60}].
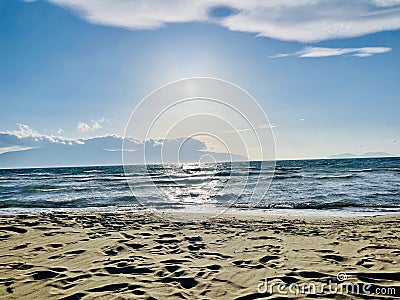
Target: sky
[{"x": 326, "y": 73}]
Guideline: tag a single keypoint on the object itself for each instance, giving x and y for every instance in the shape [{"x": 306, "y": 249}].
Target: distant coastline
[
  {"x": 364, "y": 155},
  {"x": 120, "y": 164}
]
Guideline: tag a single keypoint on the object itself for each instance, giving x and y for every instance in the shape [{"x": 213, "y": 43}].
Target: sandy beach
[{"x": 140, "y": 256}]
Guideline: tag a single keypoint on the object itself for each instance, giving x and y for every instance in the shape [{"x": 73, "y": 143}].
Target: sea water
[{"x": 331, "y": 186}]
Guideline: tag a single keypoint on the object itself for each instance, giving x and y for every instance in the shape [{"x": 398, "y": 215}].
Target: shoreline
[
  {"x": 141, "y": 256},
  {"x": 280, "y": 212}
]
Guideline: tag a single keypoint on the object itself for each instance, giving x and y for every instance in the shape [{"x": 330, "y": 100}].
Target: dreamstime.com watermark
[{"x": 340, "y": 286}]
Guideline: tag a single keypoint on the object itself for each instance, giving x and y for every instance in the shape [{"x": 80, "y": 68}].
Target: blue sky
[{"x": 326, "y": 73}]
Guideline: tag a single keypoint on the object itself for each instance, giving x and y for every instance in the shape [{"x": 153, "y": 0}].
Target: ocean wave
[
  {"x": 280, "y": 177},
  {"x": 361, "y": 170},
  {"x": 7, "y": 192},
  {"x": 288, "y": 168},
  {"x": 38, "y": 188},
  {"x": 343, "y": 176},
  {"x": 243, "y": 174},
  {"x": 183, "y": 181},
  {"x": 303, "y": 184},
  {"x": 314, "y": 205},
  {"x": 93, "y": 171},
  {"x": 71, "y": 203},
  {"x": 122, "y": 199},
  {"x": 378, "y": 195},
  {"x": 222, "y": 174},
  {"x": 260, "y": 173},
  {"x": 81, "y": 202}
]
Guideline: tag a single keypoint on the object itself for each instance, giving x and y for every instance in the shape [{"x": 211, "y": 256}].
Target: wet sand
[{"x": 140, "y": 256}]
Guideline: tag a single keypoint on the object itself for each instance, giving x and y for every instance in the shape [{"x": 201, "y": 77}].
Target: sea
[{"x": 361, "y": 186}]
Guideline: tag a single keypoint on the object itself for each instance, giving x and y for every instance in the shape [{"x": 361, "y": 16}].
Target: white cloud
[
  {"x": 94, "y": 125},
  {"x": 83, "y": 127},
  {"x": 301, "y": 20},
  {"x": 59, "y": 131},
  {"x": 27, "y": 138},
  {"x": 138, "y": 14},
  {"x": 262, "y": 126},
  {"x": 25, "y": 132},
  {"x": 315, "y": 52}
]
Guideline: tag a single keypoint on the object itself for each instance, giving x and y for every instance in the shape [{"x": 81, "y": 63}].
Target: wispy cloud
[
  {"x": 315, "y": 52},
  {"x": 301, "y": 20},
  {"x": 92, "y": 126},
  {"x": 266, "y": 126},
  {"x": 262, "y": 126},
  {"x": 13, "y": 148}
]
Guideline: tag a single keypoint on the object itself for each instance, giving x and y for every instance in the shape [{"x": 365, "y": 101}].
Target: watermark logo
[
  {"x": 340, "y": 286},
  {"x": 341, "y": 276}
]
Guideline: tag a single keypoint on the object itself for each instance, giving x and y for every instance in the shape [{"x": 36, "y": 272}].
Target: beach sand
[{"x": 140, "y": 256}]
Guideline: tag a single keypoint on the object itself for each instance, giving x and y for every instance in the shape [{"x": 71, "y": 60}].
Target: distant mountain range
[
  {"x": 105, "y": 150},
  {"x": 367, "y": 154},
  {"x": 28, "y": 148}
]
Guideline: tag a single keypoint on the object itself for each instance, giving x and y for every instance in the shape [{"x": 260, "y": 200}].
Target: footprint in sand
[
  {"x": 13, "y": 229},
  {"x": 365, "y": 262},
  {"x": 112, "y": 251},
  {"x": 75, "y": 296},
  {"x": 74, "y": 253},
  {"x": 334, "y": 257},
  {"x": 22, "y": 246},
  {"x": 185, "y": 282},
  {"x": 47, "y": 274}
]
